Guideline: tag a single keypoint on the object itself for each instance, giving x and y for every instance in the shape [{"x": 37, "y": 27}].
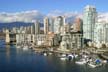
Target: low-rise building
[{"x": 73, "y": 40}]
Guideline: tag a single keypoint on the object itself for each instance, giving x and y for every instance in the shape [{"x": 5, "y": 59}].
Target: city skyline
[{"x": 53, "y": 36}]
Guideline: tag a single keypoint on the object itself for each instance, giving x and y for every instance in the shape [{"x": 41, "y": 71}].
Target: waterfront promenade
[{"x": 77, "y": 51}]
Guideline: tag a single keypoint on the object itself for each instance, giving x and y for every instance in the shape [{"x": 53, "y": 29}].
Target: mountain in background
[{"x": 15, "y": 24}]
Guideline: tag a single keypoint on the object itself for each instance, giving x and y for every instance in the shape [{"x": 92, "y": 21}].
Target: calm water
[{"x": 17, "y": 60}]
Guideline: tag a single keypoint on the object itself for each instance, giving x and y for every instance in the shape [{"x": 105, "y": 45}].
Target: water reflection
[{"x": 8, "y": 52}]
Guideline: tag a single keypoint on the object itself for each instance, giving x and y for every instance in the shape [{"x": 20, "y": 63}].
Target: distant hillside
[{"x": 15, "y": 24}]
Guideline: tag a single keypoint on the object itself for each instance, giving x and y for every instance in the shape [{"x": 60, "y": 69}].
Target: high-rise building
[
  {"x": 89, "y": 19},
  {"x": 46, "y": 25},
  {"x": 51, "y": 22},
  {"x": 78, "y": 25},
  {"x": 31, "y": 27},
  {"x": 58, "y": 23},
  {"x": 37, "y": 27},
  {"x": 101, "y": 33}
]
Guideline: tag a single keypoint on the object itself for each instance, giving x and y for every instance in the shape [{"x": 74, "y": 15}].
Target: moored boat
[
  {"x": 63, "y": 57},
  {"x": 25, "y": 47},
  {"x": 95, "y": 63},
  {"x": 81, "y": 61}
]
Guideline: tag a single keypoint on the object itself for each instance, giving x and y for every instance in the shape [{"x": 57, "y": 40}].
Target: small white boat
[
  {"x": 94, "y": 65},
  {"x": 63, "y": 57},
  {"x": 104, "y": 61},
  {"x": 50, "y": 53},
  {"x": 25, "y": 48},
  {"x": 45, "y": 54},
  {"x": 70, "y": 56},
  {"x": 81, "y": 61}
]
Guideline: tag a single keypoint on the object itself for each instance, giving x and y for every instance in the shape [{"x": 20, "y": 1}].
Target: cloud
[
  {"x": 25, "y": 16},
  {"x": 66, "y": 14},
  {"x": 70, "y": 16},
  {"x": 103, "y": 17},
  {"x": 29, "y": 16}
]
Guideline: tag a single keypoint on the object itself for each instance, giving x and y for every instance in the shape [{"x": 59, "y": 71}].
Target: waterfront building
[
  {"x": 89, "y": 20},
  {"x": 73, "y": 40},
  {"x": 63, "y": 44},
  {"x": 57, "y": 39},
  {"x": 40, "y": 39},
  {"x": 46, "y": 25},
  {"x": 24, "y": 38},
  {"x": 20, "y": 38},
  {"x": 50, "y": 39},
  {"x": 10, "y": 37},
  {"x": 7, "y": 37},
  {"x": 101, "y": 33},
  {"x": 58, "y": 23}
]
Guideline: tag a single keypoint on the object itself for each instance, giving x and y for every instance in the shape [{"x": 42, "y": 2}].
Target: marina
[{"x": 18, "y": 60}]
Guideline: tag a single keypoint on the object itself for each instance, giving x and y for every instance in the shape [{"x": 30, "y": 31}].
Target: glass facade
[{"x": 89, "y": 19}]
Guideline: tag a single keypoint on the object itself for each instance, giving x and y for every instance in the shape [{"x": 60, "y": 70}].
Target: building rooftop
[{"x": 89, "y": 6}]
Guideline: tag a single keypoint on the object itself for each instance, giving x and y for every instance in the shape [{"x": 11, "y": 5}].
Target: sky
[
  {"x": 46, "y": 6},
  {"x": 29, "y": 10}
]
